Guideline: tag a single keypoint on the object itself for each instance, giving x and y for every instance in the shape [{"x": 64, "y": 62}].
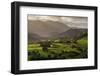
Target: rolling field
[{"x": 46, "y": 50}]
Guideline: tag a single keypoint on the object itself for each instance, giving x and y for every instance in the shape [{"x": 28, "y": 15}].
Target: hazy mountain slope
[
  {"x": 46, "y": 28},
  {"x": 73, "y": 33},
  {"x": 33, "y": 37},
  {"x": 38, "y": 30}
]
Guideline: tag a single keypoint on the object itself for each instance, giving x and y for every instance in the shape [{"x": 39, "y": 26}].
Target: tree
[{"x": 45, "y": 45}]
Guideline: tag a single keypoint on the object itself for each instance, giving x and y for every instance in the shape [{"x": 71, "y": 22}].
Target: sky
[{"x": 71, "y": 21}]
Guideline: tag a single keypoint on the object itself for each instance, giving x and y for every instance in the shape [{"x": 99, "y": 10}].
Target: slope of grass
[{"x": 58, "y": 50}]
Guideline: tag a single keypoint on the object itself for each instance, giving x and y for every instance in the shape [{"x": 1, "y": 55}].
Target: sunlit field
[{"x": 58, "y": 49}]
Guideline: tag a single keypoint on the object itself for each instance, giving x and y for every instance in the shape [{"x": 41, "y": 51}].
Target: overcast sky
[{"x": 71, "y": 21}]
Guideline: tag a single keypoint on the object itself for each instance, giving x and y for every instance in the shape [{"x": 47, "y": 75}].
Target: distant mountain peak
[
  {"x": 47, "y": 28},
  {"x": 38, "y": 30}
]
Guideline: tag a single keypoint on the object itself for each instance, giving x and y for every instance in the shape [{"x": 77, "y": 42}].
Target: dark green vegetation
[{"x": 62, "y": 48}]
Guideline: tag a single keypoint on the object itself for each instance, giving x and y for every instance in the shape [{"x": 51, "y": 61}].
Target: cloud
[{"x": 72, "y": 21}]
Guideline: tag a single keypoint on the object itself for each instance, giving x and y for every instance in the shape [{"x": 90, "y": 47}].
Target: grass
[{"x": 58, "y": 50}]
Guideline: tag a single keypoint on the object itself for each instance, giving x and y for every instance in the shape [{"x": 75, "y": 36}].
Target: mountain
[
  {"x": 46, "y": 29},
  {"x": 73, "y": 33},
  {"x": 38, "y": 30},
  {"x": 32, "y": 37}
]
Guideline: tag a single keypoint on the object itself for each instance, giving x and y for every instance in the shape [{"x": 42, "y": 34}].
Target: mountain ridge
[{"x": 38, "y": 30}]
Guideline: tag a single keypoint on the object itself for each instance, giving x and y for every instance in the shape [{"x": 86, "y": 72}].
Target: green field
[{"x": 58, "y": 49}]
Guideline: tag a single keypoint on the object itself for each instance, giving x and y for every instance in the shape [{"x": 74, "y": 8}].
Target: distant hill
[
  {"x": 46, "y": 28},
  {"x": 33, "y": 37},
  {"x": 73, "y": 33},
  {"x": 38, "y": 30}
]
